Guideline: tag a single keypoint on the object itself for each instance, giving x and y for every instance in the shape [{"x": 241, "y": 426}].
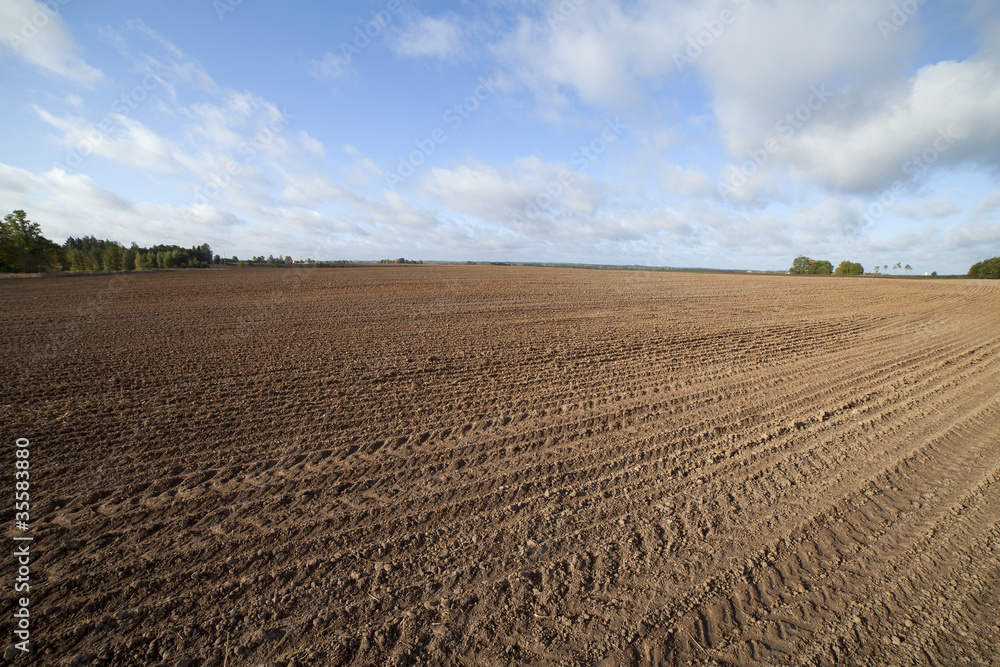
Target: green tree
[
  {"x": 23, "y": 248},
  {"x": 821, "y": 268},
  {"x": 847, "y": 268},
  {"x": 988, "y": 268},
  {"x": 907, "y": 268},
  {"x": 128, "y": 259},
  {"x": 77, "y": 260},
  {"x": 800, "y": 265},
  {"x": 113, "y": 258}
]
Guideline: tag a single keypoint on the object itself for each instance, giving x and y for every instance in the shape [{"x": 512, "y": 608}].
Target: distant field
[{"x": 505, "y": 465}]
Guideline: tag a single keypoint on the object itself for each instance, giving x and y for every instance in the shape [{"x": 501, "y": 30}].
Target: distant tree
[
  {"x": 128, "y": 259},
  {"x": 820, "y": 268},
  {"x": 885, "y": 267},
  {"x": 800, "y": 265},
  {"x": 113, "y": 258},
  {"x": 907, "y": 268},
  {"x": 288, "y": 259},
  {"x": 201, "y": 254},
  {"x": 934, "y": 273},
  {"x": 77, "y": 260},
  {"x": 847, "y": 268}
]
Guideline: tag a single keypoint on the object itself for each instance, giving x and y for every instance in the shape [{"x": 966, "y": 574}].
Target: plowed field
[{"x": 504, "y": 466}]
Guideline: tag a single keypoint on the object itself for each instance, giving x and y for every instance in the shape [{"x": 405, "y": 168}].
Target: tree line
[
  {"x": 92, "y": 254},
  {"x": 988, "y": 268},
  {"x": 804, "y": 265},
  {"x": 23, "y": 248}
]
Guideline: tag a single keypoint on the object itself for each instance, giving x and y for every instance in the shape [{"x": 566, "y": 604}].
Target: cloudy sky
[{"x": 720, "y": 133}]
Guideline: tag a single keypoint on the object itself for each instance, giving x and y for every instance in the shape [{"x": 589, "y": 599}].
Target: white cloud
[
  {"x": 310, "y": 189},
  {"x": 990, "y": 202},
  {"x": 117, "y": 137},
  {"x": 75, "y": 205},
  {"x": 160, "y": 63},
  {"x": 600, "y": 50},
  {"x": 311, "y": 143},
  {"x": 683, "y": 181},
  {"x": 39, "y": 35},
  {"x": 477, "y": 189},
  {"x": 928, "y": 208},
  {"x": 359, "y": 174},
  {"x": 400, "y": 211},
  {"x": 979, "y": 240},
  {"x": 331, "y": 66},
  {"x": 428, "y": 37},
  {"x": 72, "y": 191},
  {"x": 946, "y": 114},
  {"x": 529, "y": 189}
]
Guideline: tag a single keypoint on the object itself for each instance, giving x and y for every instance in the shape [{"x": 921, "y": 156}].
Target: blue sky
[{"x": 721, "y": 133}]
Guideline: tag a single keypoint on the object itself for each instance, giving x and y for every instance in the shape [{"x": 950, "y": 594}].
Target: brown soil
[{"x": 505, "y": 466}]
